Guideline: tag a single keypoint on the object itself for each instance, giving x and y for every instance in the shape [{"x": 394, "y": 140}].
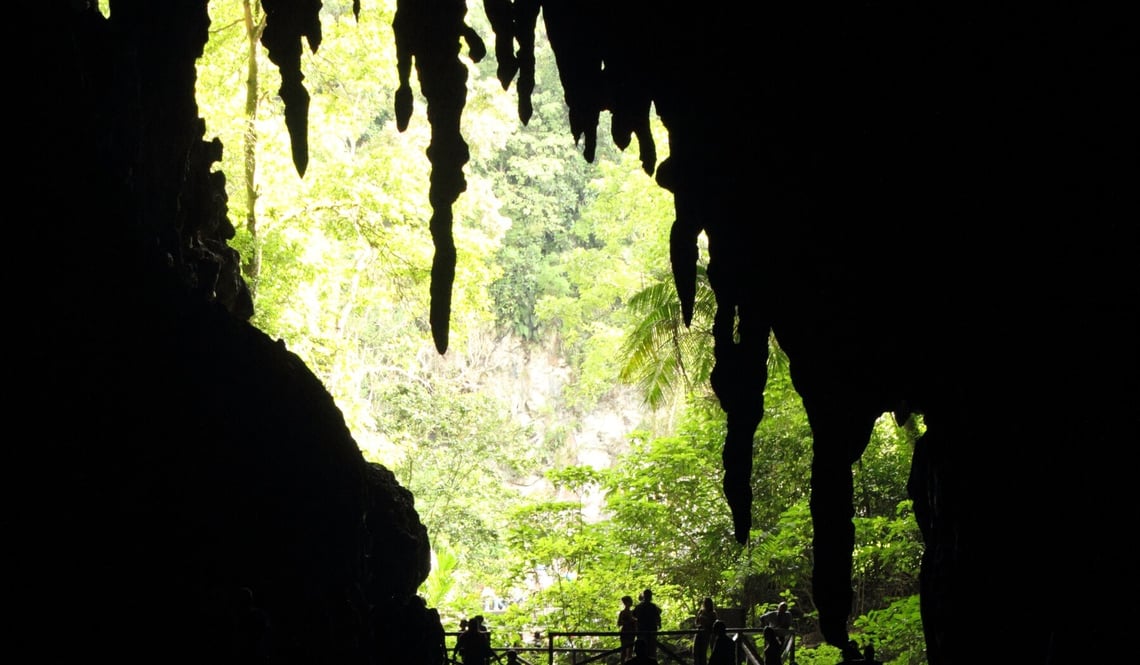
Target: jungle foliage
[{"x": 557, "y": 256}]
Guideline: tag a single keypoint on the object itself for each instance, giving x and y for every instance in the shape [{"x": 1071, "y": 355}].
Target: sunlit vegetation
[{"x": 563, "y": 311}]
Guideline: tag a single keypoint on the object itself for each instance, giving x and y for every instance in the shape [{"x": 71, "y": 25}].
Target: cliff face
[{"x": 947, "y": 197}]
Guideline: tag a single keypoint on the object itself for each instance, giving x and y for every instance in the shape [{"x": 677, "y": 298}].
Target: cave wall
[
  {"x": 171, "y": 456},
  {"x": 933, "y": 208}
]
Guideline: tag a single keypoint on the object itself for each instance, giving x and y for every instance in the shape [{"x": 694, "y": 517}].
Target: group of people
[
  {"x": 638, "y": 625},
  {"x": 637, "y": 628},
  {"x": 473, "y": 644},
  {"x": 712, "y": 633},
  {"x": 777, "y": 631}
]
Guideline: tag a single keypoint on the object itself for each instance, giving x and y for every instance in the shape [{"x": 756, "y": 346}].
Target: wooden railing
[{"x": 677, "y": 650}]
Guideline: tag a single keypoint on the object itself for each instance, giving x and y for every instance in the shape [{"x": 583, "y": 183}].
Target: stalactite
[
  {"x": 286, "y": 22},
  {"x": 428, "y": 35}
]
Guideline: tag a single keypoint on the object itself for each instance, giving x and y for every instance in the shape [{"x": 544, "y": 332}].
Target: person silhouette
[
  {"x": 773, "y": 647},
  {"x": 250, "y": 628},
  {"x": 640, "y": 654},
  {"x": 780, "y": 621},
  {"x": 723, "y": 646},
  {"x": 434, "y": 638},
  {"x": 627, "y": 628},
  {"x": 473, "y": 645},
  {"x": 869, "y": 654},
  {"x": 706, "y": 616},
  {"x": 648, "y": 622}
]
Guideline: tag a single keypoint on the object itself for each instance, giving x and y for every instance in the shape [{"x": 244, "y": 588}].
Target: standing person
[
  {"x": 706, "y": 616},
  {"x": 466, "y": 643},
  {"x": 648, "y": 622},
  {"x": 249, "y": 628},
  {"x": 640, "y": 654},
  {"x": 435, "y": 640},
  {"x": 627, "y": 627},
  {"x": 780, "y": 621},
  {"x": 473, "y": 646},
  {"x": 773, "y": 647},
  {"x": 723, "y": 647}
]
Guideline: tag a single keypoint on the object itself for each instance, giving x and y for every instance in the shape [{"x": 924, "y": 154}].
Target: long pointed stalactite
[
  {"x": 286, "y": 22},
  {"x": 428, "y": 33}
]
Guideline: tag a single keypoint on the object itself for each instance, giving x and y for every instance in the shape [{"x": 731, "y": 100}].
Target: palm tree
[{"x": 663, "y": 356}]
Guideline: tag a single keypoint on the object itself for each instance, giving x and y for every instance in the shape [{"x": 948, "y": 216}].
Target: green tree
[
  {"x": 622, "y": 227},
  {"x": 574, "y": 567},
  {"x": 664, "y": 357},
  {"x": 454, "y": 452},
  {"x": 543, "y": 184}
]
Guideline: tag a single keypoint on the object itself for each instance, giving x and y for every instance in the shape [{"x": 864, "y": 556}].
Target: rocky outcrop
[{"x": 188, "y": 490}]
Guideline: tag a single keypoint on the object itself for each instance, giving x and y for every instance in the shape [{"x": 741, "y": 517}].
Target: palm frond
[{"x": 662, "y": 354}]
